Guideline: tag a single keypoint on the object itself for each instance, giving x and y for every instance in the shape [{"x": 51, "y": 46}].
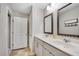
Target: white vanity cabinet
[
  {"x": 38, "y": 47},
  {"x": 42, "y": 48},
  {"x": 54, "y": 51}
]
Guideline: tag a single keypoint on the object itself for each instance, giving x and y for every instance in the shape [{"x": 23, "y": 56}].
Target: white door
[{"x": 20, "y": 32}]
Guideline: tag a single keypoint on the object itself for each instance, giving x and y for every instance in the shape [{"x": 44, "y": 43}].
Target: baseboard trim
[{"x": 19, "y": 49}]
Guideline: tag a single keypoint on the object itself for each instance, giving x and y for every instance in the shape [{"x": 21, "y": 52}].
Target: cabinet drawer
[{"x": 54, "y": 50}]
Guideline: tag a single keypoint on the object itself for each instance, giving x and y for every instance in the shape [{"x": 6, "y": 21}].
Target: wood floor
[{"x": 22, "y": 52}]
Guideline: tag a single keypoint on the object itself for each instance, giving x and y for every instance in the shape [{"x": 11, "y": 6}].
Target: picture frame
[
  {"x": 48, "y": 24},
  {"x": 71, "y": 25}
]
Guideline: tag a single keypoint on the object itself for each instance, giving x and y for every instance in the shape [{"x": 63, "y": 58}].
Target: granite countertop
[{"x": 70, "y": 47}]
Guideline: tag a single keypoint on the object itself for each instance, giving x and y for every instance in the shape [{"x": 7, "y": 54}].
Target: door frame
[
  {"x": 9, "y": 30},
  {"x": 9, "y": 16},
  {"x": 27, "y": 32}
]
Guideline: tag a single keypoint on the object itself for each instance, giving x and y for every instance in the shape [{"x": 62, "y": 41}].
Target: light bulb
[
  {"x": 52, "y": 7},
  {"x": 48, "y": 7}
]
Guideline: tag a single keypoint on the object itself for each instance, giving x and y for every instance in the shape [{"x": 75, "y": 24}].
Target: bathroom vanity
[{"x": 47, "y": 46}]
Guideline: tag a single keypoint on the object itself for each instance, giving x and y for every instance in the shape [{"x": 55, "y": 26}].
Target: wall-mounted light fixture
[
  {"x": 49, "y": 7},
  {"x": 52, "y": 6},
  {"x": 71, "y": 22},
  {"x": 55, "y": 6}
]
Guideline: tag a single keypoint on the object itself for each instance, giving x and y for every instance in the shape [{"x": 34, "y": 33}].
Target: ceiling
[{"x": 25, "y": 8}]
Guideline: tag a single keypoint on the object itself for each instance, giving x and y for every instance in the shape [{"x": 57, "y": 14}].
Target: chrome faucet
[{"x": 66, "y": 40}]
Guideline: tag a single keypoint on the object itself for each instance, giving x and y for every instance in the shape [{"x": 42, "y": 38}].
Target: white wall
[
  {"x": 72, "y": 12},
  {"x": 30, "y": 28},
  {"x": 4, "y": 30},
  {"x": 54, "y": 11},
  {"x": 55, "y": 22},
  {"x": 16, "y": 14},
  {"x": 37, "y": 22},
  {"x": 54, "y": 19},
  {"x": 4, "y": 38}
]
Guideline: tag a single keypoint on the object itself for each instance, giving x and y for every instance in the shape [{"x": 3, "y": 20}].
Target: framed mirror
[
  {"x": 68, "y": 20},
  {"x": 48, "y": 24}
]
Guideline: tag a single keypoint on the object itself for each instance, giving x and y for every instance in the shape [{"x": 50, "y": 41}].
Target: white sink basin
[
  {"x": 66, "y": 45},
  {"x": 59, "y": 43}
]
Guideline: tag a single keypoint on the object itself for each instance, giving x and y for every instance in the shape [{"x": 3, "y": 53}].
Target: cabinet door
[
  {"x": 39, "y": 49},
  {"x": 46, "y": 52},
  {"x": 36, "y": 46}
]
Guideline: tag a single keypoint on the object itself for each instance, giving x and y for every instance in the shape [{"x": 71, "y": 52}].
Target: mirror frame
[
  {"x": 51, "y": 23},
  {"x": 58, "y": 22}
]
